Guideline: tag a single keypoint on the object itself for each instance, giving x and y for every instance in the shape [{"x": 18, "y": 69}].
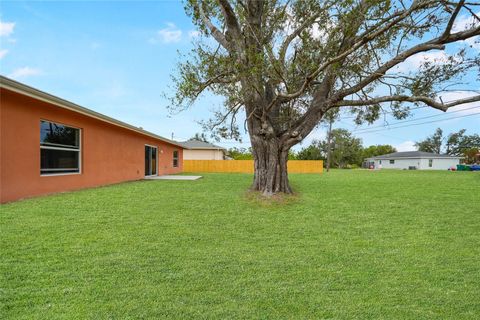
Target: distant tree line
[
  {"x": 455, "y": 144},
  {"x": 347, "y": 151}
]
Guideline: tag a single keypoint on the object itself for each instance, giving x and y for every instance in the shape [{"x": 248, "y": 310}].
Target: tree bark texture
[{"x": 270, "y": 167}]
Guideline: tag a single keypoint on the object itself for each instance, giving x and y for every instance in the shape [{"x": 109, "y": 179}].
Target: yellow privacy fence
[{"x": 246, "y": 166}]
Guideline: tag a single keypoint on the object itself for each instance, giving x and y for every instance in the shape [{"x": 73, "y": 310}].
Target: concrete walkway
[{"x": 173, "y": 177}]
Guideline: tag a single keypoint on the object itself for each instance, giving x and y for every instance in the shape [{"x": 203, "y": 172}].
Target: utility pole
[{"x": 329, "y": 147}]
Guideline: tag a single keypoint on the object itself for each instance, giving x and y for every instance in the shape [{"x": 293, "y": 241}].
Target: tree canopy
[
  {"x": 378, "y": 150},
  {"x": 285, "y": 64},
  {"x": 455, "y": 144}
]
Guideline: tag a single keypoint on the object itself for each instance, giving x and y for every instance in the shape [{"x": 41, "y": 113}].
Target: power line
[
  {"x": 378, "y": 134},
  {"x": 416, "y": 124},
  {"x": 386, "y": 112},
  {"x": 404, "y": 121}
]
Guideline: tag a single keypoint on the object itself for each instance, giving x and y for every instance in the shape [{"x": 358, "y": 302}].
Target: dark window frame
[
  {"x": 392, "y": 161},
  {"x": 76, "y": 148}
]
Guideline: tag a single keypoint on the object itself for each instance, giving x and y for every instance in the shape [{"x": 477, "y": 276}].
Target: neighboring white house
[
  {"x": 201, "y": 150},
  {"x": 413, "y": 160}
]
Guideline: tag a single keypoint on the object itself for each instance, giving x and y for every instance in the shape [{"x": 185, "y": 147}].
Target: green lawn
[{"x": 352, "y": 245}]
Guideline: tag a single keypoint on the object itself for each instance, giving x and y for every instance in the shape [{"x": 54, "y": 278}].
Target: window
[
  {"x": 430, "y": 163},
  {"x": 175, "y": 158},
  {"x": 392, "y": 161},
  {"x": 380, "y": 162},
  {"x": 59, "y": 148}
]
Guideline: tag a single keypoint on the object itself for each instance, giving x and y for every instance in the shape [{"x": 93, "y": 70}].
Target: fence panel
[{"x": 246, "y": 166}]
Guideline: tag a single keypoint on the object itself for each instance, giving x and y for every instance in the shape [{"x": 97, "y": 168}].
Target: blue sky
[{"x": 116, "y": 57}]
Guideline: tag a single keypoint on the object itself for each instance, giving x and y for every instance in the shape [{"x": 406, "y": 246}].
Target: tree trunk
[
  {"x": 329, "y": 147},
  {"x": 270, "y": 159}
]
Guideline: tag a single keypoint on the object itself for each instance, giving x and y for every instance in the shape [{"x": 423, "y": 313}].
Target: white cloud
[
  {"x": 6, "y": 28},
  {"x": 24, "y": 72},
  {"x": 466, "y": 22},
  {"x": 406, "y": 146},
  {"x": 3, "y": 52},
  {"x": 170, "y": 34},
  {"x": 456, "y": 95},
  {"x": 414, "y": 62}
]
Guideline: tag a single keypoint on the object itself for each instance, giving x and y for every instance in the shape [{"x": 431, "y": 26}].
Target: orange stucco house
[{"x": 50, "y": 145}]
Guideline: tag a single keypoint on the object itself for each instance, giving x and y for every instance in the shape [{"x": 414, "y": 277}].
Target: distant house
[
  {"x": 418, "y": 160},
  {"x": 201, "y": 150}
]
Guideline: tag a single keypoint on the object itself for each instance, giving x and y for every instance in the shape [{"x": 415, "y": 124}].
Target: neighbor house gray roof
[
  {"x": 413, "y": 154},
  {"x": 200, "y": 145},
  {"x": 23, "y": 89}
]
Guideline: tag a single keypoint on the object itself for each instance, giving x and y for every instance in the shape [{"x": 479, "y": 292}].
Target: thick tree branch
[
  {"x": 214, "y": 31},
  {"x": 404, "y": 98},
  {"x": 454, "y": 15},
  {"x": 435, "y": 44},
  {"x": 230, "y": 19},
  {"x": 286, "y": 42},
  {"x": 362, "y": 41}
]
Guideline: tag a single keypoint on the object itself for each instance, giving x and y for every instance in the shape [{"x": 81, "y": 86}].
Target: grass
[{"x": 351, "y": 245}]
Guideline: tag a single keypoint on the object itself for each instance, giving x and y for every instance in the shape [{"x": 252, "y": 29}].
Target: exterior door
[{"x": 150, "y": 161}]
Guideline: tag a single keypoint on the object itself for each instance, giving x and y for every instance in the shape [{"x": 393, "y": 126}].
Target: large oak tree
[{"x": 281, "y": 65}]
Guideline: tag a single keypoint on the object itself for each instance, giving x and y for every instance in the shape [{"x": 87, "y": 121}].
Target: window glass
[
  {"x": 59, "y": 148},
  {"x": 154, "y": 161},
  {"x": 430, "y": 162},
  {"x": 59, "y": 161},
  {"x": 147, "y": 160},
  {"x": 58, "y": 134},
  {"x": 392, "y": 161}
]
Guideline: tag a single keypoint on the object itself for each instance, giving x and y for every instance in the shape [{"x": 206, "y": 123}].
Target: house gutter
[{"x": 23, "y": 89}]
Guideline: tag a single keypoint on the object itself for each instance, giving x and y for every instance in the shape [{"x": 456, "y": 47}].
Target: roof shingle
[{"x": 197, "y": 144}]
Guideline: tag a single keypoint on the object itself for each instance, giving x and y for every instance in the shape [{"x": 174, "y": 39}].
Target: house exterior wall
[
  {"x": 439, "y": 164},
  {"x": 399, "y": 163},
  {"x": 419, "y": 163},
  {"x": 202, "y": 154},
  {"x": 109, "y": 154}
]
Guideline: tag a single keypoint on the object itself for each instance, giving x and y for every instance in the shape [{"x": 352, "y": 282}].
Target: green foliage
[
  {"x": 471, "y": 155},
  {"x": 432, "y": 143},
  {"x": 456, "y": 143},
  {"x": 350, "y": 247},
  {"x": 377, "y": 150},
  {"x": 459, "y": 144},
  {"x": 292, "y": 155},
  {"x": 240, "y": 153},
  {"x": 312, "y": 152},
  {"x": 346, "y": 149},
  {"x": 256, "y": 51},
  {"x": 246, "y": 154},
  {"x": 200, "y": 137}
]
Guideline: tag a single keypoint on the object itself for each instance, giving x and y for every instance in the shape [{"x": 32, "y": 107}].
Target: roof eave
[
  {"x": 200, "y": 148},
  {"x": 23, "y": 89},
  {"x": 398, "y": 158}
]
